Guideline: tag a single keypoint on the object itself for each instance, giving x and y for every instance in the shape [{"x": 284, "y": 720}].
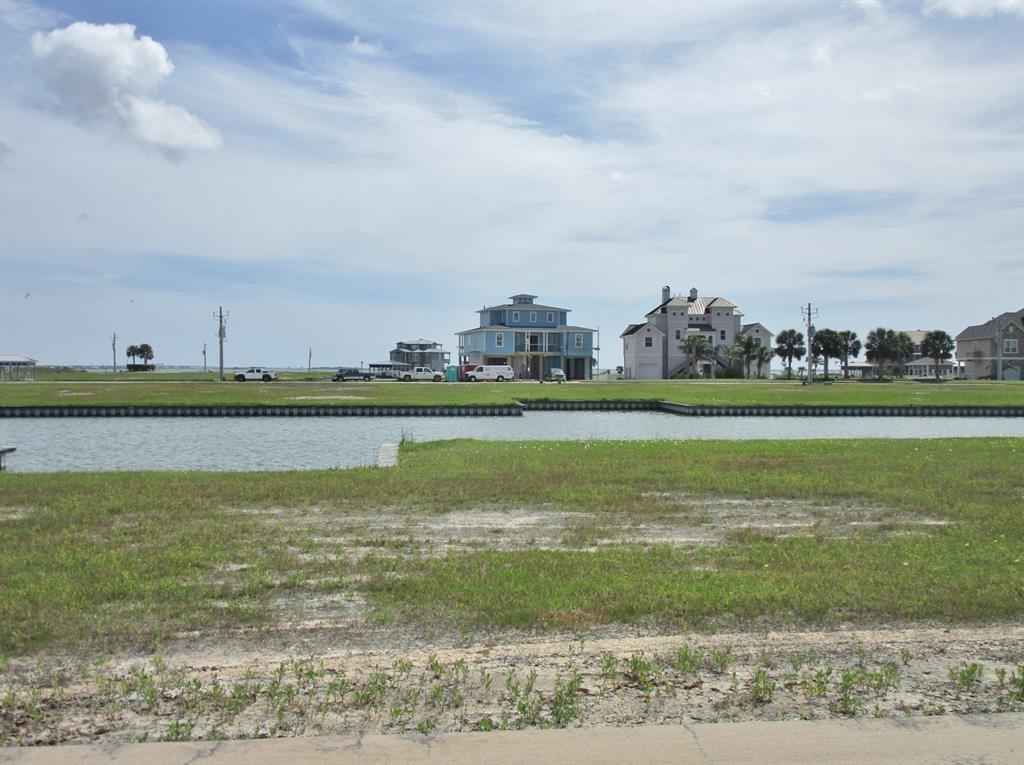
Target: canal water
[{"x": 305, "y": 443}]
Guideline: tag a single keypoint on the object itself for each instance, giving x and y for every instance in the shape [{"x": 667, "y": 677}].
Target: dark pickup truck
[{"x": 351, "y": 373}]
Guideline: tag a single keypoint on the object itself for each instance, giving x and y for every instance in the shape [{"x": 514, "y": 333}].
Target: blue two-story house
[{"x": 529, "y": 337}]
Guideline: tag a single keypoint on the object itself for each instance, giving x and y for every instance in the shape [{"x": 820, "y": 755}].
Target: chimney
[
  {"x": 666, "y": 294},
  {"x": 693, "y": 294}
]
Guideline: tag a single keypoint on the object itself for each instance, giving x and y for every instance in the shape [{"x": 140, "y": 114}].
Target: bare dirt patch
[
  {"x": 325, "y": 398},
  {"x": 16, "y": 513},
  {"x": 256, "y": 686},
  {"x": 681, "y": 520}
]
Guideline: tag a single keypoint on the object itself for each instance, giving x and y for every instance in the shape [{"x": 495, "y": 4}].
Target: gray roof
[
  {"x": 630, "y": 330},
  {"x": 988, "y": 329},
  {"x": 745, "y": 328},
  {"x": 506, "y": 328},
  {"x": 522, "y": 307},
  {"x": 11, "y": 358},
  {"x": 698, "y": 306}
]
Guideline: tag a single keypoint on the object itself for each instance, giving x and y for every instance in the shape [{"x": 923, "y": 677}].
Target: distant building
[
  {"x": 17, "y": 368},
  {"x": 995, "y": 349},
  {"x": 421, "y": 353},
  {"x": 531, "y": 338},
  {"x": 653, "y": 350}
]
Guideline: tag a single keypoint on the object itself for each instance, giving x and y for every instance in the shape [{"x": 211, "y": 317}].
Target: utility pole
[
  {"x": 204, "y": 358},
  {"x": 222, "y": 319},
  {"x": 113, "y": 347},
  {"x": 309, "y": 362},
  {"x": 809, "y": 314}
]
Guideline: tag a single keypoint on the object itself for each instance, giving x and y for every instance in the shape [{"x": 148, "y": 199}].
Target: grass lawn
[
  {"x": 142, "y": 389},
  {"x": 115, "y": 560}
]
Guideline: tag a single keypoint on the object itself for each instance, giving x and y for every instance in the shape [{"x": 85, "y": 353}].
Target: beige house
[
  {"x": 995, "y": 349},
  {"x": 653, "y": 350}
]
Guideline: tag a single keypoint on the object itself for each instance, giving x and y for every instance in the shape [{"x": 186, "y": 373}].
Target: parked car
[
  {"x": 556, "y": 375},
  {"x": 350, "y": 373},
  {"x": 256, "y": 373},
  {"x": 421, "y": 373},
  {"x": 496, "y": 372}
]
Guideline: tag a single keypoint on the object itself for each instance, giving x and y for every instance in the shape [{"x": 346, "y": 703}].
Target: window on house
[
  {"x": 551, "y": 317},
  {"x": 677, "y": 334},
  {"x": 648, "y": 342},
  {"x": 499, "y": 339},
  {"x": 579, "y": 341},
  {"x": 721, "y": 334},
  {"x": 515, "y": 316},
  {"x": 1010, "y": 345},
  {"x": 533, "y": 316},
  {"x": 758, "y": 341}
]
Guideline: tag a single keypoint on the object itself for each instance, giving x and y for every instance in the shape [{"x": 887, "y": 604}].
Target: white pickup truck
[
  {"x": 256, "y": 373},
  {"x": 420, "y": 373}
]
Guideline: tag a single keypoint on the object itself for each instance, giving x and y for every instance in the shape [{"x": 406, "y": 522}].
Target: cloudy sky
[{"x": 344, "y": 175}]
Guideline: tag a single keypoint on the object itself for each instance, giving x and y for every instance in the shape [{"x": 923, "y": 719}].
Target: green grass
[
  {"x": 143, "y": 389},
  {"x": 125, "y": 559}
]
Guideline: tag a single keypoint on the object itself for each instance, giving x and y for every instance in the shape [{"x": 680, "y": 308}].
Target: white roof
[{"x": 9, "y": 358}]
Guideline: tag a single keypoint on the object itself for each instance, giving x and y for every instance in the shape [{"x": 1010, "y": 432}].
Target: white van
[{"x": 495, "y": 372}]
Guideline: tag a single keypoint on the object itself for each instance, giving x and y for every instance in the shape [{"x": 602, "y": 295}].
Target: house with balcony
[
  {"x": 653, "y": 350},
  {"x": 531, "y": 338},
  {"x": 420, "y": 353},
  {"x": 993, "y": 350}
]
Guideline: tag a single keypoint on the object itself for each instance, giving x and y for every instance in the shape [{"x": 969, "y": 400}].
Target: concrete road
[{"x": 990, "y": 739}]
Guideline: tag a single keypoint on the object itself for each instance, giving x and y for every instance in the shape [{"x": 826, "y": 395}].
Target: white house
[{"x": 653, "y": 350}]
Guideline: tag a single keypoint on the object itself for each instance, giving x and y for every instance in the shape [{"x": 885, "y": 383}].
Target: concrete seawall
[{"x": 509, "y": 410}]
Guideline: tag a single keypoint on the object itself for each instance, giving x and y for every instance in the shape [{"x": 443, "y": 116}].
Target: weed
[
  {"x": 641, "y": 671},
  {"x": 816, "y": 686},
  {"x": 427, "y": 725},
  {"x": 609, "y": 666},
  {"x": 721, "y": 659},
  {"x": 848, "y": 701},
  {"x": 965, "y": 675},
  {"x": 565, "y": 702},
  {"x": 178, "y": 731},
  {"x": 906, "y": 655},
  {"x": 762, "y": 688},
  {"x": 688, "y": 661}
]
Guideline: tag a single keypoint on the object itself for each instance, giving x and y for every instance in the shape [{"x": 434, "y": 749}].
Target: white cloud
[
  {"x": 976, "y": 8},
  {"x": 24, "y": 16},
  {"x": 103, "y": 72},
  {"x": 363, "y": 48}
]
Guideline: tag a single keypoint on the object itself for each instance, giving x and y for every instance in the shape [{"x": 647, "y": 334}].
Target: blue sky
[{"x": 344, "y": 175}]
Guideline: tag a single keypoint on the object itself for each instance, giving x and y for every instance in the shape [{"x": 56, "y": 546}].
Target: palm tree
[
  {"x": 826, "y": 344},
  {"x": 698, "y": 349},
  {"x": 132, "y": 351},
  {"x": 938, "y": 346},
  {"x": 789, "y": 345},
  {"x": 881, "y": 346},
  {"x": 904, "y": 351},
  {"x": 744, "y": 350},
  {"x": 146, "y": 352},
  {"x": 849, "y": 346},
  {"x": 763, "y": 356}
]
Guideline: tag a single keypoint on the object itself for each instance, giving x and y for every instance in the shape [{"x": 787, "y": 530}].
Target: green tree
[
  {"x": 826, "y": 344},
  {"x": 744, "y": 350},
  {"x": 132, "y": 352},
  {"x": 849, "y": 347},
  {"x": 146, "y": 353},
  {"x": 938, "y": 346},
  {"x": 789, "y": 345},
  {"x": 880, "y": 347},
  {"x": 763, "y": 356},
  {"x": 904, "y": 351},
  {"x": 698, "y": 349}
]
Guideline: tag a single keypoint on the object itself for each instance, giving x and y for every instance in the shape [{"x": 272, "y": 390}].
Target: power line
[
  {"x": 809, "y": 315},
  {"x": 222, "y": 320}
]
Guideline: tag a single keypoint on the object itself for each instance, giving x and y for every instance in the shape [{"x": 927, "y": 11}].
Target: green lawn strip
[
  {"x": 116, "y": 559},
  {"x": 155, "y": 391},
  {"x": 790, "y": 580}
]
